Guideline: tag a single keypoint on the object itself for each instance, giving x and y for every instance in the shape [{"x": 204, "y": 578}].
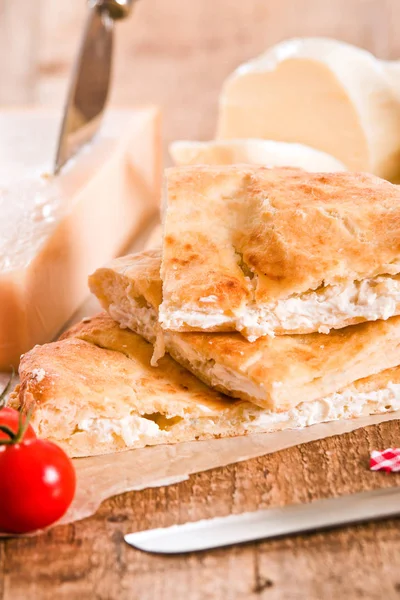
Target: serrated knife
[
  {"x": 90, "y": 80},
  {"x": 269, "y": 523}
]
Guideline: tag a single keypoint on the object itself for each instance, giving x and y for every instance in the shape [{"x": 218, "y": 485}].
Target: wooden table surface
[{"x": 177, "y": 53}]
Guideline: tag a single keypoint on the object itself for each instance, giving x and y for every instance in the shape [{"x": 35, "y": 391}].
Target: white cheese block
[
  {"x": 254, "y": 152},
  {"x": 322, "y": 93},
  {"x": 54, "y": 231}
]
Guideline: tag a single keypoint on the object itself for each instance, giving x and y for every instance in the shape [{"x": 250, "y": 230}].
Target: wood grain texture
[{"x": 177, "y": 53}]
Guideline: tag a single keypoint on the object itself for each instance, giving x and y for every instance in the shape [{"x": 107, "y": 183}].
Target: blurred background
[{"x": 176, "y": 53}]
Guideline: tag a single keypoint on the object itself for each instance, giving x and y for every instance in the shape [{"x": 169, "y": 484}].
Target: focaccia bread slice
[
  {"x": 253, "y": 151},
  {"x": 275, "y": 373},
  {"x": 94, "y": 392},
  {"x": 276, "y": 251}
]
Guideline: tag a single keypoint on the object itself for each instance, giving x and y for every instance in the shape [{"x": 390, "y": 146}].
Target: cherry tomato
[
  {"x": 10, "y": 418},
  {"x": 37, "y": 485}
]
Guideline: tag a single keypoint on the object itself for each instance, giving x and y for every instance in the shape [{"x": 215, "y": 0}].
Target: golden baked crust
[
  {"x": 94, "y": 392},
  {"x": 241, "y": 237},
  {"x": 99, "y": 371},
  {"x": 274, "y": 373}
]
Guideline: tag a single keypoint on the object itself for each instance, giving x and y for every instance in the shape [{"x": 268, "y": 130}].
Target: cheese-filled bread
[
  {"x": 275, "y": 251},
  {"x": 94, "y": 392},
  {"x": 276, "y": 373}
]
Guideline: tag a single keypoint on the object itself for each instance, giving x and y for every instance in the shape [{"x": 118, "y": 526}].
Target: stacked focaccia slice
[
  {"x": 94, "y": 391},
  {"x": 350, "y": 372},
  {"x": 285, "y": 257},
  {"x": 235, "y": 239},
  {"x": 277, "y": 251}
]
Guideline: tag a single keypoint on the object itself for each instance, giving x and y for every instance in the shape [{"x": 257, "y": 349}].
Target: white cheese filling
[
  {"x": 130, "y": 428},
  {"x": 198, "y": 319},
  {"x": 247, "y": 418},
  {"x": 346, "y": 404},
  {"x": 322, "y": 310}
]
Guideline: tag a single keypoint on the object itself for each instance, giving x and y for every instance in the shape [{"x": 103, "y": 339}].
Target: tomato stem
[
  {"x": 22, "y": 426},
  {"x": 7, "y": 431},
  {"x": 9, "y": 442},
  {"x": 23, "y": 420}
]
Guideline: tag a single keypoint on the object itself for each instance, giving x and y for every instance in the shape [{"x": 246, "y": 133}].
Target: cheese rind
[
  {"x": 55, "y": 231},
  {"x": 322, "y": 93}
]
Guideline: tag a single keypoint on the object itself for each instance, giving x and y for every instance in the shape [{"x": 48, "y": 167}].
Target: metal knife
[
  {"x": 273, "y": 522},
  {"x": 90, "y": 81}
]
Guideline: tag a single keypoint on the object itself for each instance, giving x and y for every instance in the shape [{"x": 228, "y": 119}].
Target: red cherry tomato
[
  {"x": 37, "y": 485},
  {"x": 10, "y": 418}
]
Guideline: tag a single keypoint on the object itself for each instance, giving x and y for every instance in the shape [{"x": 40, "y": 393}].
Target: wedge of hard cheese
[
  {"x": 323, "y": 93},
  {"x": 253, "y": 152},
  {"x": 55, "y": 230}
]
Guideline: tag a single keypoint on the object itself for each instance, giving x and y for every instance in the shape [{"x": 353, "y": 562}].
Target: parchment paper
[{"x": 101, "y": 477}]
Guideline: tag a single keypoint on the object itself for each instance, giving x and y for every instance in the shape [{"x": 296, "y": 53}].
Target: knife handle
[{"x": 116, "y": 9}]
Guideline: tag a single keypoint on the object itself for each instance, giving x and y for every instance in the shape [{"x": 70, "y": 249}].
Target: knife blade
[
  {"x": 247, "y": 527},
  {"x": 90, "y": 81}
]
